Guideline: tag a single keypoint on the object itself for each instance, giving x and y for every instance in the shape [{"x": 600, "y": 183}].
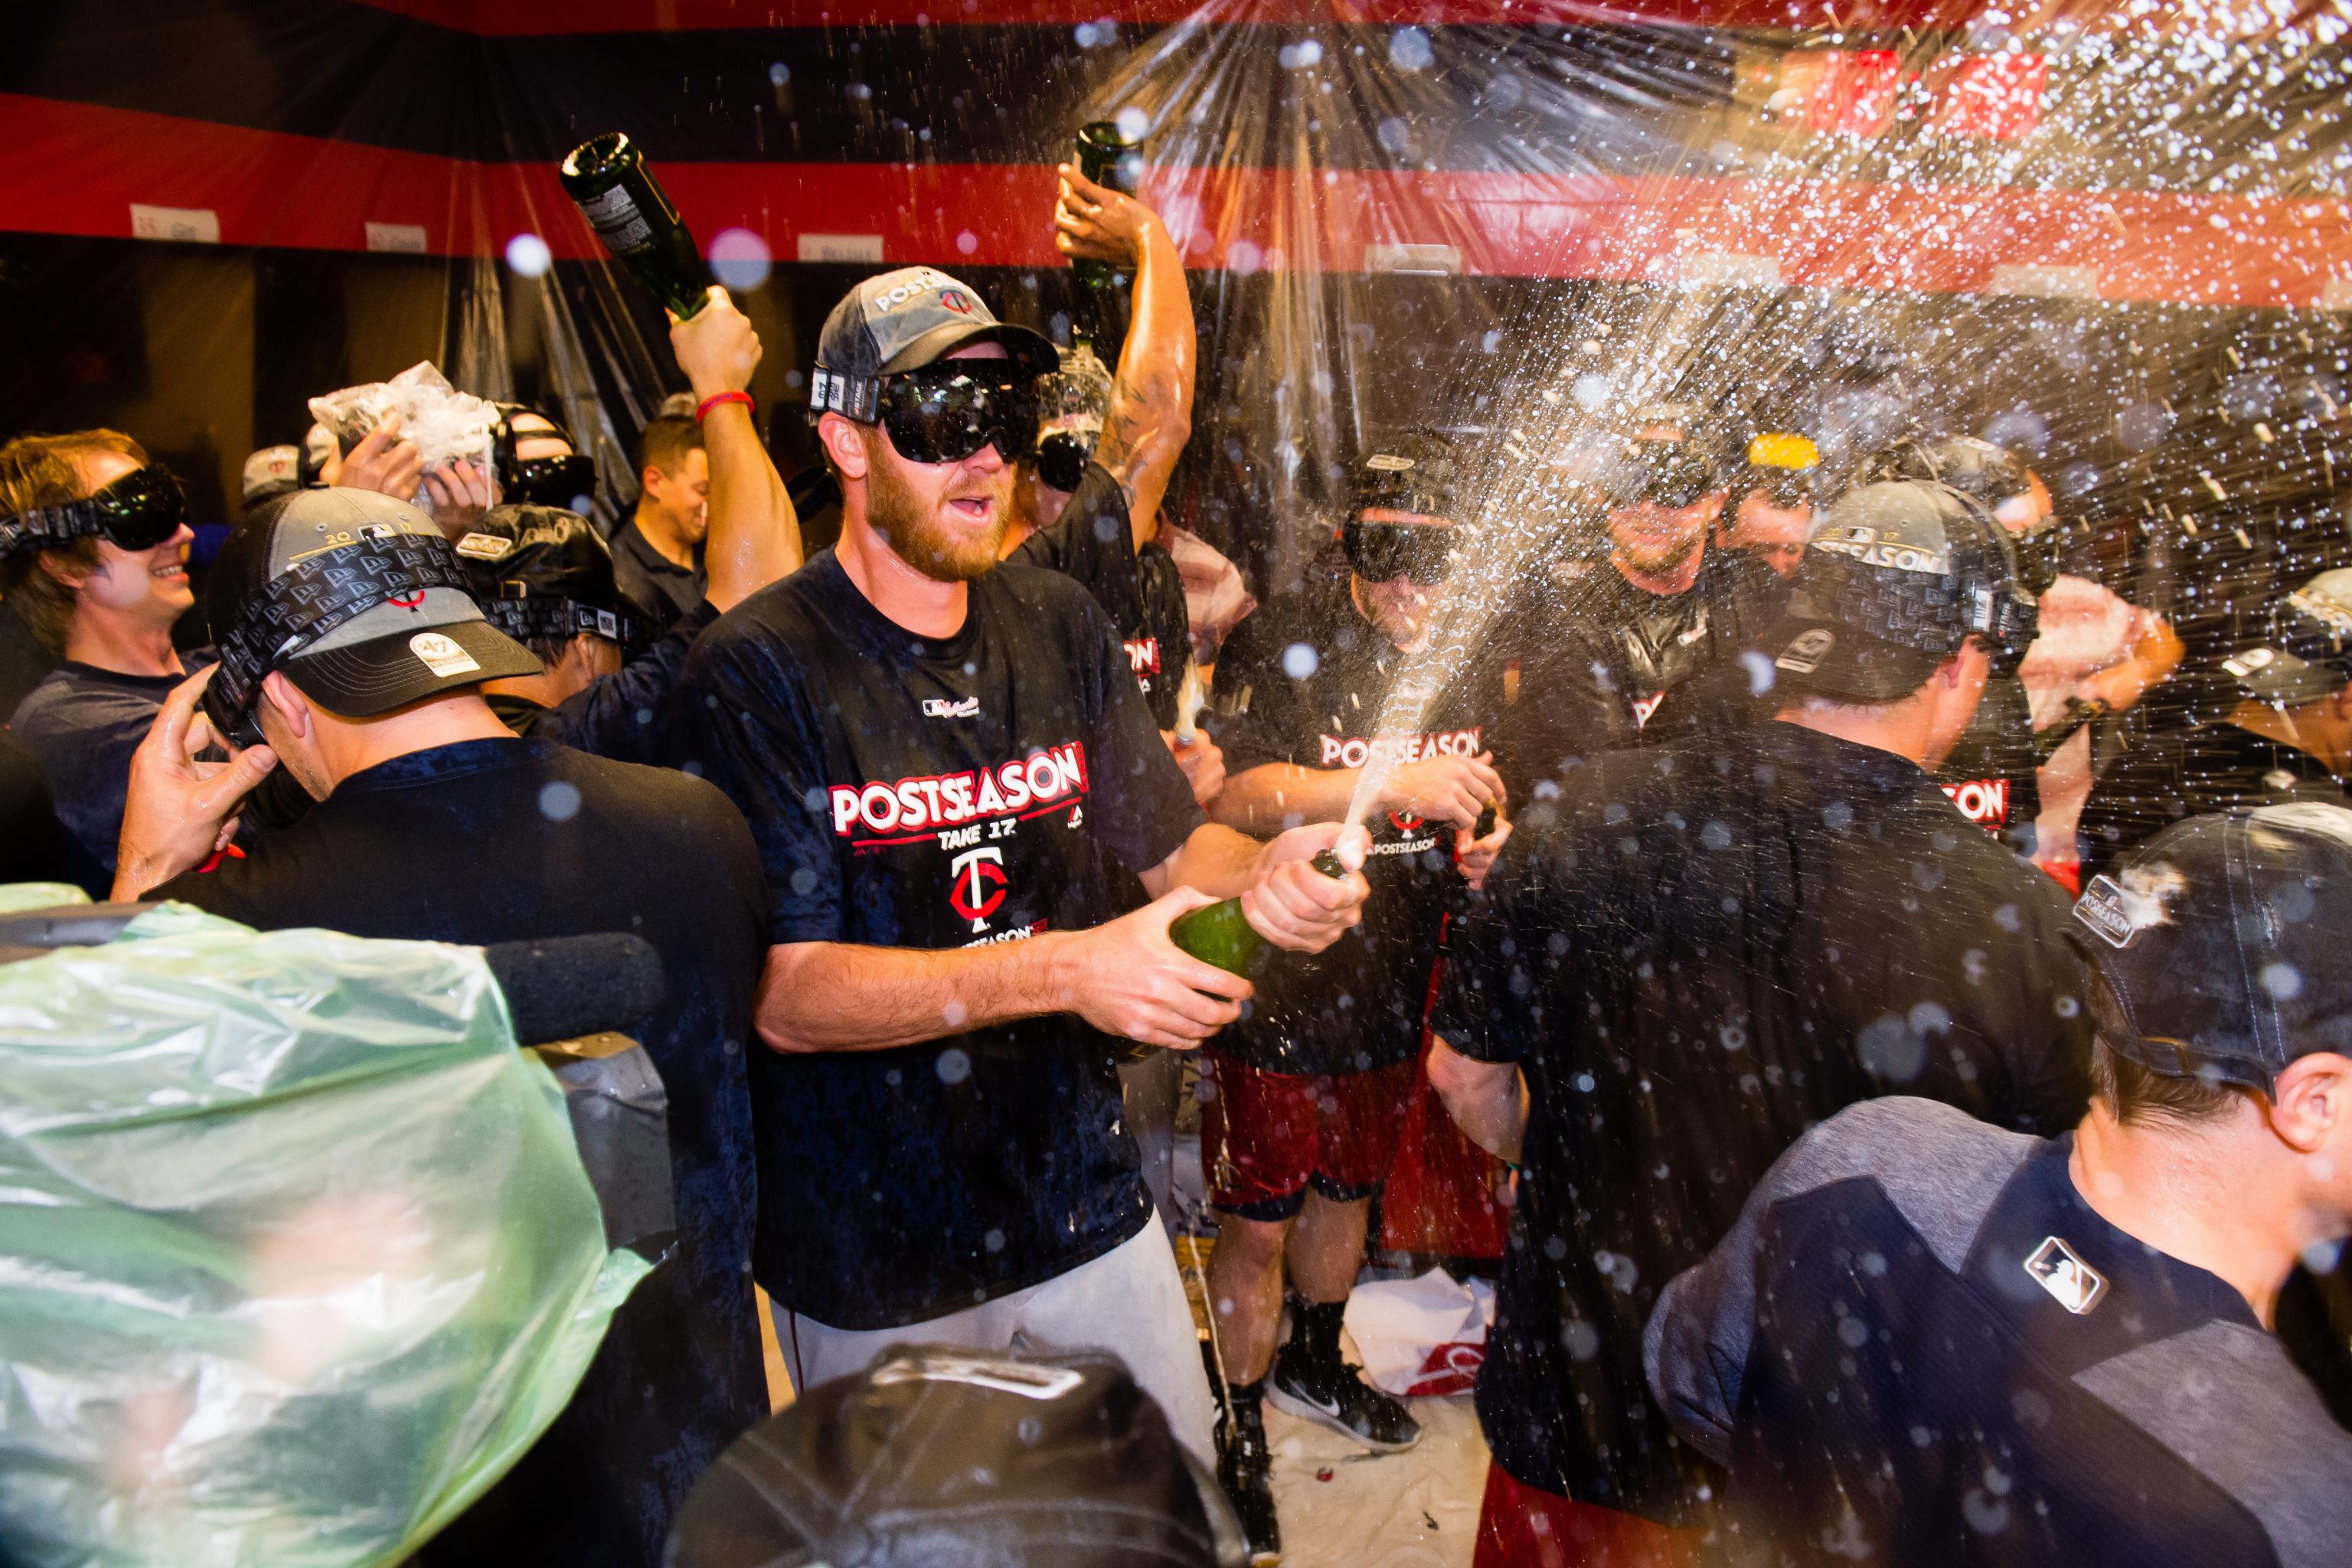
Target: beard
[
  {"x": 1655, "y": 555},
  {"x": 939, "y": 550}
]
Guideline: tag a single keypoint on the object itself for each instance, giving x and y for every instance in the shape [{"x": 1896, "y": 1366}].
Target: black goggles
[
  {"x": 1062, "y": 458},
  {"x": 1384, "y": 552},
  {"x": 944, "y": 413},
  {"x": 564, "y": 482},
  {"x": 312, "y": 597},
  {"x": 138, "y": 512}
]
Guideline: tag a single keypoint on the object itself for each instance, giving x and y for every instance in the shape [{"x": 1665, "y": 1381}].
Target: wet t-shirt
[
  {"x": 934, "y": 793},
  {"x": 617, "y": 715},
  {"x": 1599, "y": 656},
  {"x": 2190, "y": 771},
  {"x": 1992, "y": 772},
  {"x": 1092, "y": 544},
  {"x": 1304, "y": 681},
  {"x": 1699, "y": 953}
]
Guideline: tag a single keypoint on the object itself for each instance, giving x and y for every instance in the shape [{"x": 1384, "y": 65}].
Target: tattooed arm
[{"x": 1150, "y": 412}]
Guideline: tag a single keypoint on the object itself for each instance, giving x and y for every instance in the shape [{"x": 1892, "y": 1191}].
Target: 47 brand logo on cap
[
  {"x": 442, "y": 655},
  {"x": 2059, "y": 1270}
]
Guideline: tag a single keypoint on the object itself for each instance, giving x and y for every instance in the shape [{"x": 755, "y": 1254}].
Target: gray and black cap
[
  {"x": 2308, "y": 654},
  {"x": 903, "y": 320},
  {"x": 357, "y": 599},
  {"x": 2222, "y": 938},
  {"x": 1897, "y": 577}
]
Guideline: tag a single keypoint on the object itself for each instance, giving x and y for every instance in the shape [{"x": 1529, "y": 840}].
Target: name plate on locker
[{"x": 188, "y": 225}]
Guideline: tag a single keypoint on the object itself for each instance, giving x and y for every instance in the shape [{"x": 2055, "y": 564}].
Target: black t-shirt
[
  {"x": 83, "y": 723},
  {"x": 1306, "y": 676},
  {"x": 2190, "y": 771},
  {"x": 912, "y": 792},
  {"x": 496, "y": 840},
  {"x": 1992, "y": 775},
  {"x": 617, "y": 715},
  {"x": 24, "y": 660},
  {"x": 1092, "y": 543},
  {"x": 1599, "y": 657},
  {"x": 1700, "y": 951}
]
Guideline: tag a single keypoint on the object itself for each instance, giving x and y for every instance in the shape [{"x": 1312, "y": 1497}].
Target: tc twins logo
[
  {"x": 1143, "y": 656},
  {"x": 977, "y": 885}
]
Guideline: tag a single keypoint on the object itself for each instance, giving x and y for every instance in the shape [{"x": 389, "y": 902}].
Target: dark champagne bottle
[
  {"x": 607, "y": 179},
  {"x": 1107, "y": 158},
  {"x": 1220, "y": 934}
]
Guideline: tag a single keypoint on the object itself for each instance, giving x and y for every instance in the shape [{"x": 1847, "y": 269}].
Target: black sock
[{"x": 1315, "y": 1334}]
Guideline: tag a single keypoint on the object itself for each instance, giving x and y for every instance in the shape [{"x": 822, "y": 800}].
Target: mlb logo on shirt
[{"x": 2059, "y": 1270}]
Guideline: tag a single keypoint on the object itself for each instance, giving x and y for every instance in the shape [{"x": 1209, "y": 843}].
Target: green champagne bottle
[
  {"x": 1107, "y": 157},
  {"x": 1220, "y": 934},
  {"x": 607, "y": 180}
]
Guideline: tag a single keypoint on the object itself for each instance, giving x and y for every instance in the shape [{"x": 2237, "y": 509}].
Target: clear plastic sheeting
[
  {"x": 296, "y": 1255},
  {"x": 2050, "y": 227}
]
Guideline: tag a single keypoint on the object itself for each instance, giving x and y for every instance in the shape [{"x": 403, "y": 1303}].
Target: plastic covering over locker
[{"x": 267, "y": 1203}]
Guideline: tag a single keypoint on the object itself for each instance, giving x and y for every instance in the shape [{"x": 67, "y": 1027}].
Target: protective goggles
[
  {"x": 138, "y": 512},
  {"x": 1384, "y": 552},
  {"x": 1673, "y": 478},
  {"x": 944, "y": 413},
  {"x": 550, "y": 481},
  {"x": 312, "y": 597}
]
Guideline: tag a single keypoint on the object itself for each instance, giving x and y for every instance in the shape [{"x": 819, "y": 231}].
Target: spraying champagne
[{"x": 1220, "y": 934}]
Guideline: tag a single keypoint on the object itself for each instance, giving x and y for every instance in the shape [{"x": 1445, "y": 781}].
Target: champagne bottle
[
  {"x": 1220, "y": 934},
  {"x": 606, "y": 178},
  {"x": 1107, "y": 157}
]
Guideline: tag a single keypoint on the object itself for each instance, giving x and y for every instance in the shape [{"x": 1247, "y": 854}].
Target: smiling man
[
  {"x": 938, "y": 756},
  {"x": 94, "y": 557}
]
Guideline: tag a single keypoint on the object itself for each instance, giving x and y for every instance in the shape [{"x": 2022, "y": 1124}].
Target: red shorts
[
  {"x": 1522, "y": 1527},
  {"x": 1265, "y": 1136}
]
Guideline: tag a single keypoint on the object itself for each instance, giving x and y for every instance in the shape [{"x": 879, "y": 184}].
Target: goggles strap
[{"x": 320, "y": 593}]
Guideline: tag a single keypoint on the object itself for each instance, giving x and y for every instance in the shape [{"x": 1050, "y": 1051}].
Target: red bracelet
[{"x": 702, "y": 409}]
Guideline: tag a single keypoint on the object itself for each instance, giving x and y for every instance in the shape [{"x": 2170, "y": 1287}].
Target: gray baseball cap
[
  {"x": 408, "y": 643},
  {"x": 2308, "y": 654},
  {"x": 902, "y": 320}
]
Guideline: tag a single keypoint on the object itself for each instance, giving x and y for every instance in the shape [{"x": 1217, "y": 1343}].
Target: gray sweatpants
[{"x": 1130, "y": 1302}]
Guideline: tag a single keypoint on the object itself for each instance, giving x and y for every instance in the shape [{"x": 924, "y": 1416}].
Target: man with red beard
[{"x": 938, "y": 756}]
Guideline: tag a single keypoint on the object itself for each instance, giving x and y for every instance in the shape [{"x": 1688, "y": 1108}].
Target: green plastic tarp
[{"x": 296, "y": 1255}]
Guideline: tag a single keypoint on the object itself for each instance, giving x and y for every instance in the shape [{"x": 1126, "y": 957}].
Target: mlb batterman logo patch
[
  {"x": 2059, "y": 1270},
  {"x": 1804, "y": 655}
]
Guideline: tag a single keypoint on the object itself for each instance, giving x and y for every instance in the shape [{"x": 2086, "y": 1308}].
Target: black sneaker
[
  {"x": 1343, "y": 1402},
  {"x": 1246, "y": 1469}
]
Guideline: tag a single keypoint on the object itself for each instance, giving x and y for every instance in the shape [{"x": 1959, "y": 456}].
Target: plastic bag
[
  {"x": 1423, "y": 1336},
  {"x": 296, "y": 1255},
  {"x": 443, "y": 423}
]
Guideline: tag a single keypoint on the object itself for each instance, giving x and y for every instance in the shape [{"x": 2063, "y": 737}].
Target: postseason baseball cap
[
  {"x": 2224, "y": 939},
  {"x": 937, "y": 1457},
  {"x": 1896, "y": 578},
  {"x": 542, "y": 571},
  {"x": 901, "y": 321},
  {"x": 1415, "y": 471},
  {"x": 271, "y": 471},
  {"x": 356, "y": 559},
  {"x": 2308, "y": 654},
  {"x": 1664, "y": 469}
]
